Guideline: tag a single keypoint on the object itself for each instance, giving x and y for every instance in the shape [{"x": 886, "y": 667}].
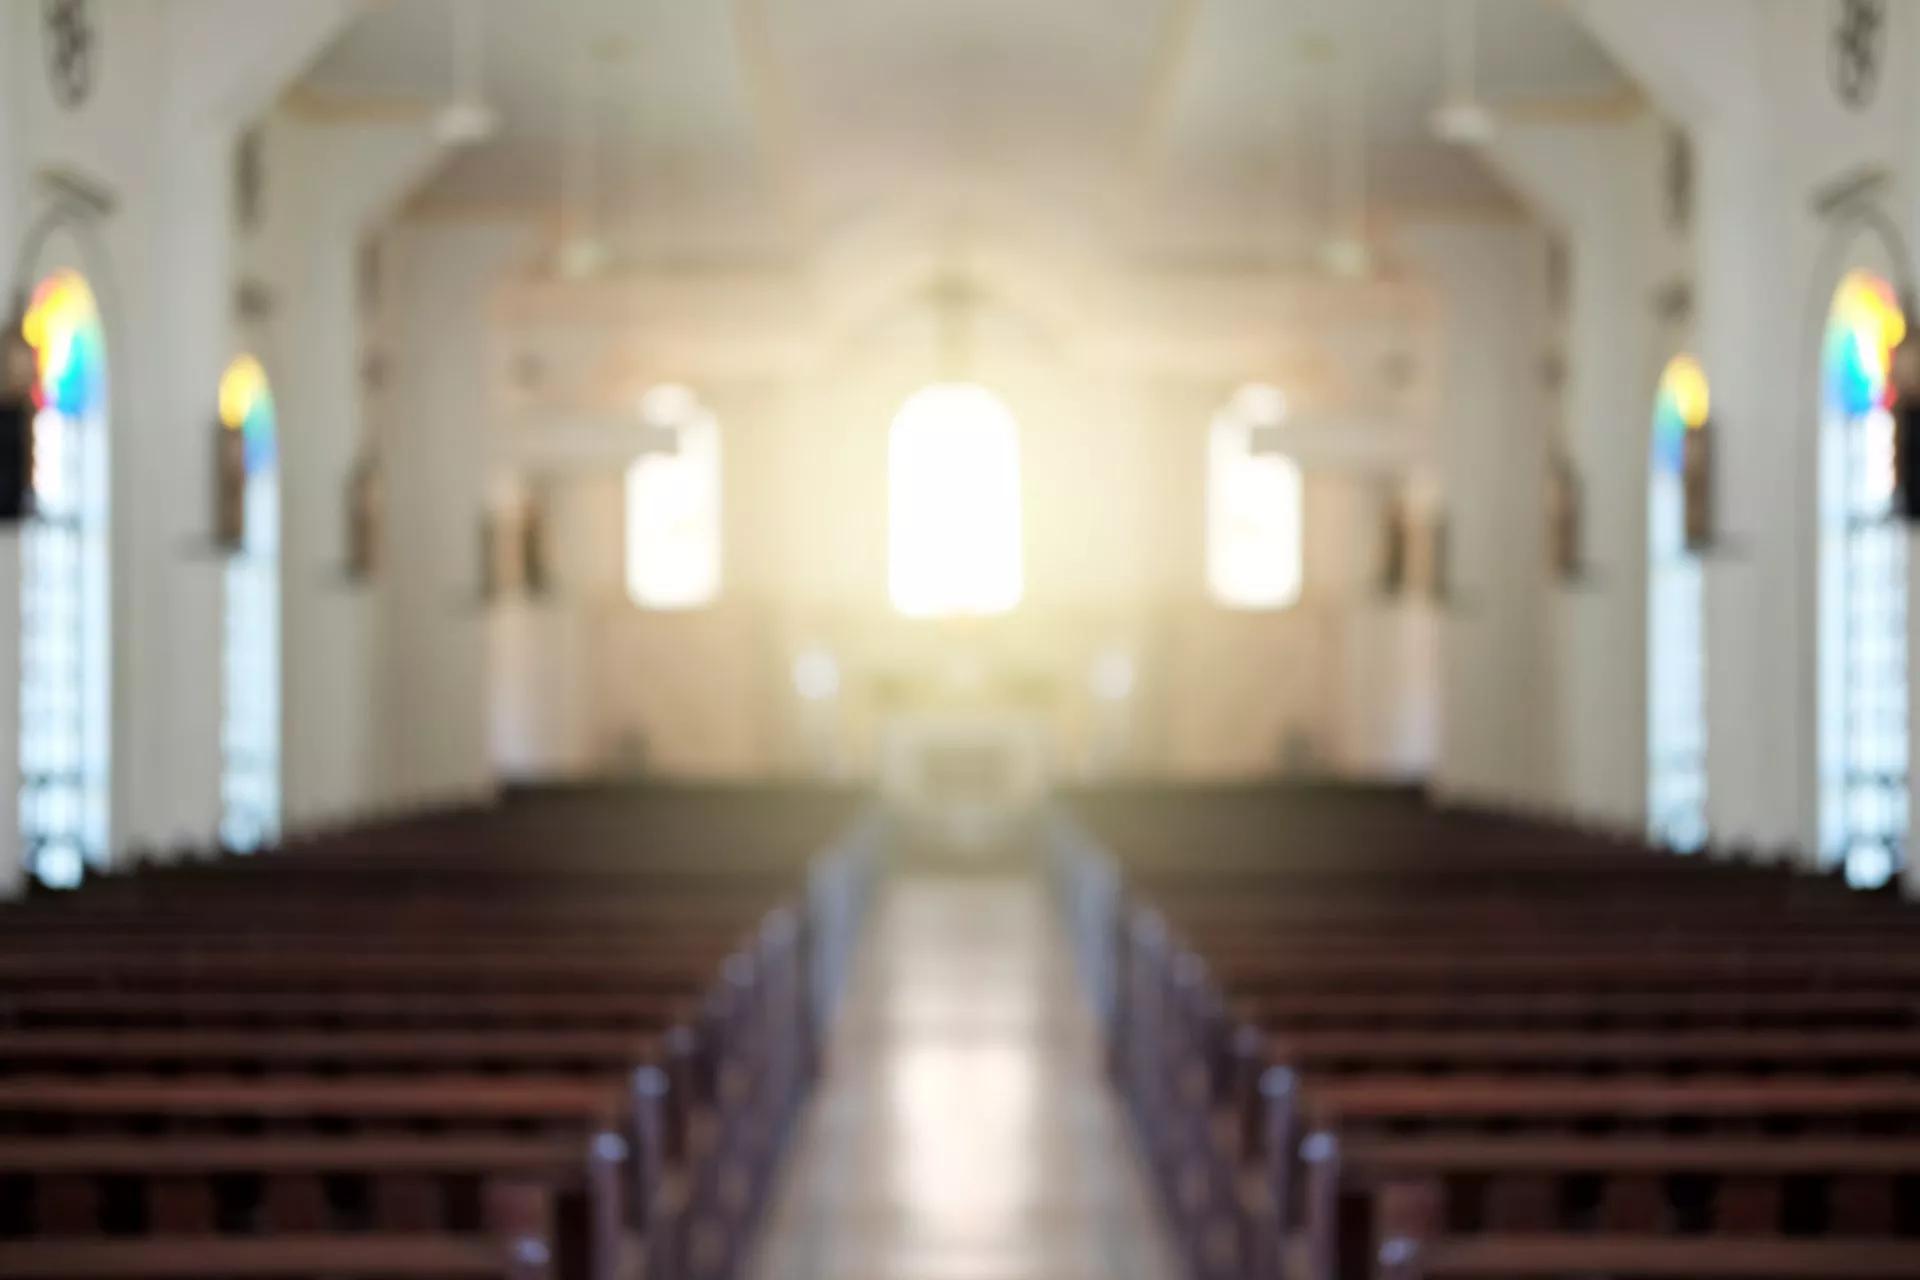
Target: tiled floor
[{"x": 963, "y": 1132}]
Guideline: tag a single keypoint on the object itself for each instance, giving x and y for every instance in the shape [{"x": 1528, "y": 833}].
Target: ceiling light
[
  {"x": 668, "y": 404},
  {"x": 1347, "y": 256},
  {"x": 1112, "y": 676},
  {"x": 816, "y": 675},
  {"x": 1464, "y": 122},
  {"x": 465, "y": 123},
  {"x": 582, "y": 257},
  {"x": 1461, "y": 118},
  {"x": 466, "y": 118},
  {"x": 1261, "y": 403}
]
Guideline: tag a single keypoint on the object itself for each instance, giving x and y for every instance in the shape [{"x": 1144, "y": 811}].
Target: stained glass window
[
  {"x": 1676, "y": 653},
  {"x": 1863, "y": 590},
  {"x": 673, "y": 507},
  {"x": 1254, "y": 516},
  {"x": 64, "y": 640},
  {"x": 250, "y": 731}
]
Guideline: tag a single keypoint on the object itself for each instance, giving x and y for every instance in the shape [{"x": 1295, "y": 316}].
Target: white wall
[
  {"x": 1752, "y": 83},
  {"x": 1540, "y": 698},
  {"x": 171, "y": 84},
  {"x": 326, "y": 183},
  {"x": 1598, "y": 182},
  {"x": 436, "y": 426},
  {"x": 1499, "y": 712},
  {"x": 1113, "y": 465}
]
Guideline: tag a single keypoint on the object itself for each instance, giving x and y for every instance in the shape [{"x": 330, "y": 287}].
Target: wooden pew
[
  {"x": 90, "y": 1200},
  {"x": 1732, "y": 1188},
  {"x": 1413, "y": 1248},
  {"x": 470, "y": 983},
  {"x": 1393, "y": 974},
  {"x": 515, "y": 1253},
  {"x": 554, "y": 1051}
]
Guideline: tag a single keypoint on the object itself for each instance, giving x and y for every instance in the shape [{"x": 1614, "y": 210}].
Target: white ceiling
[{"x": 1158, "y": 127}]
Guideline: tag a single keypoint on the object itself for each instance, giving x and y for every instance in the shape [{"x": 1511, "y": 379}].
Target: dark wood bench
[
  {"x": 77, "y": 1197},
  {"x": 554, "y": 1051},
  {"x": 460, "y": 1001},
  {"x": 1413, "y": 1246},
  {"x": 1395, "y": 975},
  {"x": 513, "y": 1254},
  {"x": 1729, "y": 1187}
]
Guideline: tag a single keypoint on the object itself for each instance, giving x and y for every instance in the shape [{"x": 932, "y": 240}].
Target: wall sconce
[
  {"x": 1906, "y": 423},
  {"x": 492, "y": 569},
  {"x": 17, "y": 412},
  {"x": 229, "y": 486},
  {"x": 366, "y": 509},
  {"x": 1566, "y": 550},
  {"x": 1696, "y": 486},
  {"x": 513, "y": 550},
  {"x": 1396, "y": 545},
  {"x": 535, "y": 578}
]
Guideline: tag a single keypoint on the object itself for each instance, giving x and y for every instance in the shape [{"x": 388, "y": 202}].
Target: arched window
[
  {"x": 953, "y": 504},
  {"x": 1254, "y": 517},
  {"x": 64, "y": 672},
  {"x": 1863, "y": 590},
  {"x": 673, "y": 506},
  {"x": 1676, "y": 656},
  {"x": 250, "y": 730}
]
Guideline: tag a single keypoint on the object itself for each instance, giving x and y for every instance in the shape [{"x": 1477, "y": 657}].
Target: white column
[
  {"x": 1596, "y": 182},
  {"x": 1497, "y": 735},
  {"x": 437, "y": 445},
  {"x": 336, "y": 180},
  {"x": 1751, "y": 304}
]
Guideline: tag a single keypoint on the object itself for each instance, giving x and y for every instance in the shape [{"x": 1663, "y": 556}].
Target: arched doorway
[
  {"x": 1862, "y": 626},
  {"x": 250, "y": 724},
  {"x": 1676, "y": 650},
  {"x": 65, "y": 712}
]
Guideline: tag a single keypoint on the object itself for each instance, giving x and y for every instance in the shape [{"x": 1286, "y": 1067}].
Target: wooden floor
[{"x": 964, "y": 1131}]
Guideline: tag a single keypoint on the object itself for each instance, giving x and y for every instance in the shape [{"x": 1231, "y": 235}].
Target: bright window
[
  {"x": 1254, "y": 518},
  {"x": 673, "y": 507},
  {"x": 1863, "y": 590},
  {"x": 250, "y": 730},
  {"x": 954, "y": 519},
  {"x": 64, "y": 645},
  {"x": 1676, "y": 690}
]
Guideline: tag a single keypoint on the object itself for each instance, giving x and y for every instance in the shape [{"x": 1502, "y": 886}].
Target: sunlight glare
[{"x": 954, "y": 526}]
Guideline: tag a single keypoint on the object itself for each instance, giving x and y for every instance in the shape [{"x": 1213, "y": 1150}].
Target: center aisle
[{"x": 964, "y": 1131}]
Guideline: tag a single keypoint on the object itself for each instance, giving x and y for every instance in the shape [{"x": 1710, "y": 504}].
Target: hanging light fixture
[
  {"x": 583, "y": 253},
  {"x": 1462, "y": 118},
  {"x": 1346, "y": 252},
  {"x": 466, "y": 120}
]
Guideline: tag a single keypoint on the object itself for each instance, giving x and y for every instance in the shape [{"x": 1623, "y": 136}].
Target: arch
[
  {"x": 954, "y": 519},
  {"x": 1862, "y": 620},
  {"x": 250, "y": 784},
  {"x": 1255, "y": 500},
  {"x": 65, "y": 675},
  {"x": 1676, "y": 648},
  {"x": 673, "y": 506}
]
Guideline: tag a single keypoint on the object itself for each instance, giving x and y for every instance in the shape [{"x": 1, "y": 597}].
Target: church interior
[{"x": 919, "y": 640}]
